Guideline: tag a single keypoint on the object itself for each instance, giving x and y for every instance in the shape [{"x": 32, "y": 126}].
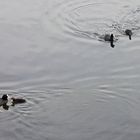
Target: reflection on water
[{"x": 76, "y": 86}]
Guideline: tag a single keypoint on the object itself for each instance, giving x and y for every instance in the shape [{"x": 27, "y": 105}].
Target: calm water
[{"x": 77, "y": 87}]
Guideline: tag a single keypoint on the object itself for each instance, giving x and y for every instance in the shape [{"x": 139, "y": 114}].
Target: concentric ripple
[{"x": 88, "y": 19}]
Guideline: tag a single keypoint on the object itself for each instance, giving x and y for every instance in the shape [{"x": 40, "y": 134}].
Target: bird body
[
  {"x": 17, "y": 100},
  {"x": 109, "y": 38},
  {"x": 129, "y": 33},
  {"x": 5, "y": 102}
]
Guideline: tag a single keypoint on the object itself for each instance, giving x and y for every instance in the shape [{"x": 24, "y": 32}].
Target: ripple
[
  {"x": 121, "y": 97},
  {"x": 129, "y": 20},
  {"x": 74, "y": 19},
  {"x": 89, "y": 20}
]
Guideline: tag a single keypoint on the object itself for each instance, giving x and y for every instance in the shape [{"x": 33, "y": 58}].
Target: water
[{"x": 77, "y": 87}]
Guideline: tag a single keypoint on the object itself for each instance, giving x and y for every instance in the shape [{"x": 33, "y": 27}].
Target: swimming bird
[
  {"x": 109, "y": 38},
  {"x": 129, "y": 33},
  {"x": 4, "y": 100}
]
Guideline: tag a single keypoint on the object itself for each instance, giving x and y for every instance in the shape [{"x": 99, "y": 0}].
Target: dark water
[{"x": 77, "y": 87}]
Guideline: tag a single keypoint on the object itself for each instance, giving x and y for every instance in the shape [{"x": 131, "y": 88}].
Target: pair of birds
[
  {"x": 110, "y": 38},
  {"x": 4, "y": 100}
]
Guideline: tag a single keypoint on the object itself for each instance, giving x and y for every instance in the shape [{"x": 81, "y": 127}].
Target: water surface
[{"x": 77, "y": 87}]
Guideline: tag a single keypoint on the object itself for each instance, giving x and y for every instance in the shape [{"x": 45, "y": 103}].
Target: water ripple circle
[{"x": 86, "y": 19}]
